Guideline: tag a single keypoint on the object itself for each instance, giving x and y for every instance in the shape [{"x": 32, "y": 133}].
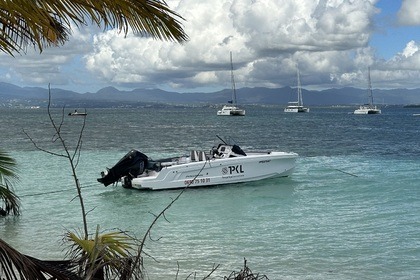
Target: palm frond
[
  {"x": 15, "y": 265},
  {"x": 10, "y": 200},
  {"x": 8, "y": 176},
  {"x": 45, "y": 23},
  {"x": 108, "y": 253},
  {"x": 8, "y": 168}
]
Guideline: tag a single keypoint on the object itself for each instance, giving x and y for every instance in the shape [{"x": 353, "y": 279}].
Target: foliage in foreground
[
  {"x": 46, "y": 23},
  {"x": 8, "y": 176},
  {"x": 17, "y": 266},
  {"x": 106, "y": 256},
  {"x": 245, "y": 274}
]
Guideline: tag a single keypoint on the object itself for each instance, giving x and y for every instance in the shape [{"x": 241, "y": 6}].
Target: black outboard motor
[{"x": 132, "y": 164}]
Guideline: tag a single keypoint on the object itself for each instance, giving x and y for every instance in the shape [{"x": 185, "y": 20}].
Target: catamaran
[
  {"x": 297, "y": 106},
  {"x": 368, "y": 109},
  {"x": 231, "y": 109}
]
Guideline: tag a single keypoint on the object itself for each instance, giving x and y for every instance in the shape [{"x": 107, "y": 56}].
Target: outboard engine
[{"x": 132, "y": 165}]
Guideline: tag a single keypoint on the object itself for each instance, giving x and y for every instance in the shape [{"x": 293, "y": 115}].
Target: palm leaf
[
  {"x": 14, "y": 266},
  {"x": 115, "y": 243},
  {"x": 108, "y": 253},
  {"x": 46, "y": 23},
  {"x": 10, "y": 200},
  {"x": 8, "y": 168},
  {"x": 8, "y": 176}
]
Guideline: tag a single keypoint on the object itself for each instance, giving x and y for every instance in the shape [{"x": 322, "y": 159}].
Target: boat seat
[{"x": 198, "y": 156}]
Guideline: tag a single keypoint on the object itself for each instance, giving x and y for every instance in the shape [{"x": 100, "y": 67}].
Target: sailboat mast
[
  {"x": 370, "y": 89},
  {"x": 300, "y": 101},
  {"x": 233, "y": 81}
]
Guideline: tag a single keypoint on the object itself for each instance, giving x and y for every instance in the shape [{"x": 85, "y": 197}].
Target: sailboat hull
[
  {"x": 367, "y": 110},
  {"x": 231, "y": 111},
  {"x": 296, "y": 109}
]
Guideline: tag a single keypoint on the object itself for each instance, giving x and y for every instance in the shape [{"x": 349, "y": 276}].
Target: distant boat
[
  {"x": 297, "y": 106},
  {"x": 416, "y": 115},
  {"x": 368, "y": 109},
  {"x": 75, "y": 113},
  {"x": 231, "y": 108}
]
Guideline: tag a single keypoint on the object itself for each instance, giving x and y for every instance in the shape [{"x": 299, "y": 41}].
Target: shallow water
[{"x": 350, "y": 210}]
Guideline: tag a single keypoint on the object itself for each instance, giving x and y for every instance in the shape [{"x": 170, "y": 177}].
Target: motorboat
[
  {"x": 76, "y": 113},
  {"x": 368, "y": 109},
  {"x": 224, "y": 164},
  {"x": 297, "y": 106},
  {"x": 231, "y": 109}
]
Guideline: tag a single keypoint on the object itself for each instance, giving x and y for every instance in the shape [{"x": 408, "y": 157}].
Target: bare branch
[
  {"x": 58, "y": 136},
  {"x": 41, "y": 149}
]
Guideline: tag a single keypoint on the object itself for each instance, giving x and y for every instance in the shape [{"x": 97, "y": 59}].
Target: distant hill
[{"x": 11, "y": 95}]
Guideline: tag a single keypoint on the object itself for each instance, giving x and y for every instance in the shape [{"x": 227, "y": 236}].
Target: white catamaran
[
  {"x": 368, "y": 109},
  {"x": 297, "y": 106},
  {"x": 231, "y": 108}
]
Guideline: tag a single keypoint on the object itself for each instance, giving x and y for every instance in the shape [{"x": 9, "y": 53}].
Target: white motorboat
[
  {"x": 297, "y": 106},
  {"x": 368, "y": 109},
  {"x": 76, "y": 113},
  {"x": 231, "y": 109},
  {"x": 224, "y": 164}
]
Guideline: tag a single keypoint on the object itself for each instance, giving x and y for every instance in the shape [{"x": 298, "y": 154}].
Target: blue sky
[
  {"x": 390, "y": 37},
  {"x": 332, "y": 41}
]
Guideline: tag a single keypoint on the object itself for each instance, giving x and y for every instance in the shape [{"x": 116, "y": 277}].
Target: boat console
[{"x": 225, "y": 151}]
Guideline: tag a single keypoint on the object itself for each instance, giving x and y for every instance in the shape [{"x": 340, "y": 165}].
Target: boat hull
[
  {"x": 231, "y": 111},
  {"x": 365, "y": 110},
  {"x": 212, "y": 172},
  {"x": 296, "y": 109}
]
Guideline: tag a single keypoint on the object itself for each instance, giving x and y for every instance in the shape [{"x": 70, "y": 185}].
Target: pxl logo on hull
[{"x": 233, "y": 169}]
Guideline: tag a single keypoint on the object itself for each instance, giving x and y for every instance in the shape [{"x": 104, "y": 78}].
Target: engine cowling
[{"x": 131, "y": 165}]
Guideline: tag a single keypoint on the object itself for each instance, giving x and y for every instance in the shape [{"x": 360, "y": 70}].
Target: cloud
[
  {"x": 329, "y": 39},
  {"x": 401, "y": 71},
  {"x": 409, "y": 14},
  {"x": 408, "y": 59},
  {"x": 256, "y": 32},
  {"x": 411, "y": 49},
  {"x": 46, "y": 67}
]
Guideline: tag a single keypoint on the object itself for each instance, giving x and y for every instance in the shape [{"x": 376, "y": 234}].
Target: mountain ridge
[{"x": 111, "y": 96}]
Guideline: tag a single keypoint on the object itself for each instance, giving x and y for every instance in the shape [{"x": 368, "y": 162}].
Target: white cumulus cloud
[
  {"x": 257, "y": 32},
  {"x": 329, "y": 39},
  {"x": 409, "y": 14}
]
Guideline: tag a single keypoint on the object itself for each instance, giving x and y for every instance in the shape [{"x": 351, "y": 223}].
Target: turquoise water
[{"x": 350, "y": 211}]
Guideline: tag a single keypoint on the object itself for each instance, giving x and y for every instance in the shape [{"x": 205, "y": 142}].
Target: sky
[{"x": 331, "y": 42}]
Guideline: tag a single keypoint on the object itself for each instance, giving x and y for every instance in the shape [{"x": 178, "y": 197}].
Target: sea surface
[{"x": 351, "y": 209}]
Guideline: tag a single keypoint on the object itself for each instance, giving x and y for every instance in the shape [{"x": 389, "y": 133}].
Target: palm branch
[
  {"x": 105, "y": 256},
  {"x": 15, "y": 265},
  {"x": 8, "y": 176},
  {"x": 47, "y": 23}
]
